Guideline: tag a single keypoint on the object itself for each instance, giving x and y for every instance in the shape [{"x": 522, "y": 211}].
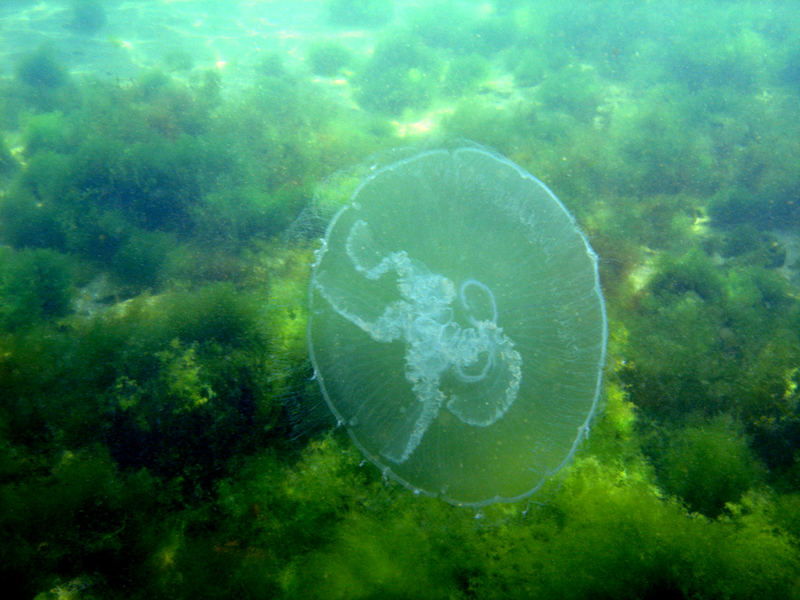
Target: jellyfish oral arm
[{"x": 478, "y": 356}]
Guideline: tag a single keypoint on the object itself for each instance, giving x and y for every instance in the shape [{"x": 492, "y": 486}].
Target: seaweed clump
[{"x": 87, "y": 16}]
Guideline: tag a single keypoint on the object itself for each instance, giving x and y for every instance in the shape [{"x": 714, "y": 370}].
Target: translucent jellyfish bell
[{"x": 457, "y": 325}]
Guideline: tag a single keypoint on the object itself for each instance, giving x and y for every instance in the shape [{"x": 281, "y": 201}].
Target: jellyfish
[{"x": 457, "y": 326}]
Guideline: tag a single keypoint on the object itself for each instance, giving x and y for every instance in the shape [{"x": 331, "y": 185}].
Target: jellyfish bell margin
[{"x": 457, "y": 325}]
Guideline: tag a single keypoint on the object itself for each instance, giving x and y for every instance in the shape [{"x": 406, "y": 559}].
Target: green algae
[{"x": 148, "y": 444}]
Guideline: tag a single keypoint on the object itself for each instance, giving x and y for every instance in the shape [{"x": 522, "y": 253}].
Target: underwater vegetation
[
  {"x": 328, "y": 57},
  {"x": 35, "y": 286},
  {"x": 401, "y": 74},
  {"x": 87, "y": 16},
  {"x": 41, "y": 70},
  {"x": 709, "y": 464},
  {"x": 43, "y": 80},
  {"x": 162, "y": 434}
]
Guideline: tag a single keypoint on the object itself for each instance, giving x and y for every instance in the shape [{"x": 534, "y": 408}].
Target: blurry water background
[{"x": 166, "y": 170}]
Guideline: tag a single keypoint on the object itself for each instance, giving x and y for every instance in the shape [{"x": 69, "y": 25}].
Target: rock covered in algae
[{"x": 457, "y": 325}]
